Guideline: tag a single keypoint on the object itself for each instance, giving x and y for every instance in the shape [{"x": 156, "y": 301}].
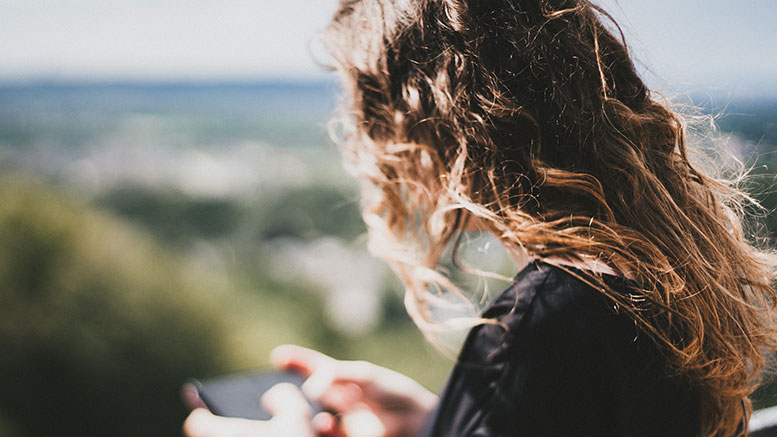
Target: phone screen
[{"x": 238, "y": 395}]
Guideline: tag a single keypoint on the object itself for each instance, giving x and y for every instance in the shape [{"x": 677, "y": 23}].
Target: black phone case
[{"x": 239, "y": 395}]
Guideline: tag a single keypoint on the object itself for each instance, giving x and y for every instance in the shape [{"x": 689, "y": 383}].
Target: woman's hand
[
  {"x": 367, "y": 400},
  {"x": 291, "y": 418}
]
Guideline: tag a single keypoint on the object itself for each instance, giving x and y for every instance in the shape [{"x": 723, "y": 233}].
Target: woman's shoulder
[
  {"x": 563, "y": 361},
  {"x": 549, "y": 305},
  {"x": 542, "y": 294}
]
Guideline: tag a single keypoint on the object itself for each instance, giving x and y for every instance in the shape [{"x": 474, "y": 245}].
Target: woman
[{"x": 646, "y": 308}]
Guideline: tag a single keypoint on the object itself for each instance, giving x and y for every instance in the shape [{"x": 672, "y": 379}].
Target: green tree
[{"x": 98, "y": 325}]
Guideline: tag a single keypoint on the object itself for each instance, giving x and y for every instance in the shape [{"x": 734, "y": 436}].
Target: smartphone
[{"x": 238, "y": 395}]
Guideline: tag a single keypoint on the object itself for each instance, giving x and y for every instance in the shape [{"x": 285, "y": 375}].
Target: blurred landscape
[{"x": 152, "y": 232}]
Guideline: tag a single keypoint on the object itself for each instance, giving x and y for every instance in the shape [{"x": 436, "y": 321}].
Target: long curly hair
[{"x": 529, "y": 116}]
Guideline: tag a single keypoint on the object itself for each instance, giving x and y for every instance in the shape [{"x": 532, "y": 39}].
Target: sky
[{"x": 687, "y": 42}]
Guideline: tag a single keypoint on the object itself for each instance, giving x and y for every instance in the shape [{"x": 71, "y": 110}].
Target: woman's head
[
  {"x": 527, "y": 113},
  {"x": 530, "y": 116}
]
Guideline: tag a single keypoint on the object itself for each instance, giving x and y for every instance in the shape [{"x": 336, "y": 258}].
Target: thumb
[
  {"x": 287, "y": 404},
  {"x": 362, "y": 423},
  {"x": 202, "y": 423}
]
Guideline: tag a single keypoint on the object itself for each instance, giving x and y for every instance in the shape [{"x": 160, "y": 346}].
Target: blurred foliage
[
  {"x": 305, "y": 213},
  {"x": 764, "y": 189},
  {"x": 762, "y": 183},
  {"x": 311, "y": 212},
  {"x": 172, "y": 215},
  {"x": 753, "y": 120},
  {"x": 98, "y": 326}
]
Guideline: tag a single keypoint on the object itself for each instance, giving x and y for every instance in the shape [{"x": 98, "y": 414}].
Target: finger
[
  {"x": 325, "y": 425},
  {"x": 376, "y": 386},
  {"x": 285, "y": 402},
  {"x": 340, "y": 398},
  {"x": 338, "y": 373},
  {"x": 319, "y": 382},
  {"x": 362, "y": 423},
  {"x": 202, "y": 423},
  {"x": 191, "y": 397},
  {"x": 298, "y": 358}
]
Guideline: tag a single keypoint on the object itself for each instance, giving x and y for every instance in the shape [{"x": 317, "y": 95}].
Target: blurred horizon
[{"x": 696, "y": 45}]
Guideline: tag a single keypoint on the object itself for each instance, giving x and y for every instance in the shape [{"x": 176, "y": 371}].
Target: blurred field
[{"x": 150, "y": 233}]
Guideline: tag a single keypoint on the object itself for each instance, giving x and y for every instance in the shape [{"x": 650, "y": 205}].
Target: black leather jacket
[{"x": 570, "y": 365}]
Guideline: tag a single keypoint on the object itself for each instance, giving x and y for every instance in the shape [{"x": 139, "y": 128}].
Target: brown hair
[{"x": 529, "y": 115}]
